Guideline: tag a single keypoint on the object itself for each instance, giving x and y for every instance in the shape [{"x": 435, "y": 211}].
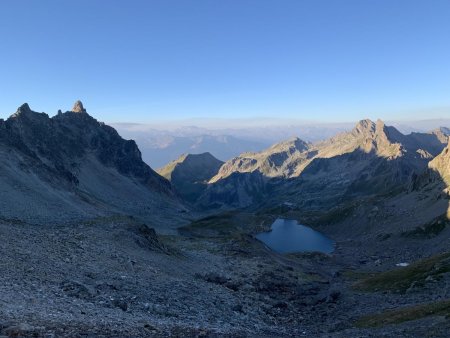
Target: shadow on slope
[{"x": 323, "y": 184}]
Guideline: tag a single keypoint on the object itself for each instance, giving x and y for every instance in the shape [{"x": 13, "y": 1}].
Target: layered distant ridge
[{"x": 372, "y": 158}]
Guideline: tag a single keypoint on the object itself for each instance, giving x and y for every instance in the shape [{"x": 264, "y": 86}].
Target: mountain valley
[{"x": 96, "y": 243}]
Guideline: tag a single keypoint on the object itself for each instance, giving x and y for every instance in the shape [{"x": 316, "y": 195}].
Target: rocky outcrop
[
  {"x": 78, "y": 107},
  {"x": 71, "y": 164},
  {"x": 442, "y": 134},
  {"x": 441, "y": 165},
  {"x": 278, "y": 160}
]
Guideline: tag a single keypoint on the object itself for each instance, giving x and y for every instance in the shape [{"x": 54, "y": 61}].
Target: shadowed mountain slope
[
  {"x": 190, "y": 173},
  {"x": 71, "y": 165},
  {"x": 371, "y": 159}
]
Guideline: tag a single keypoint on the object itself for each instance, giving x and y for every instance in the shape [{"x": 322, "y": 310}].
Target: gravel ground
[{"x": 114, "y": 277}]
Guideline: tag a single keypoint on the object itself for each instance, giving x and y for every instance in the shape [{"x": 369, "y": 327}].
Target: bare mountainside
[
  {"x": 441, "y": 164},
  {"x": 190, "y": 173},
  {"x": 72, "y": 166},
  {"x": 372, "y": 158}
]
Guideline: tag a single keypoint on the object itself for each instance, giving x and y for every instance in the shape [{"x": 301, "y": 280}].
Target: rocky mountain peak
[
  {"x": 78, "y": 107},
  {"x": 192, "y": 165},
  {"x": 190, "y": 173},
  {"x": 299, "y": 144},
  {"x": 67, "y": 163},
  {"x": 202, "y": 156},
  {"x": 24, "y": 108},
  {"x": 367, "y": 127},
  {"x": 364, "y": 127},
  {"x": 442, "y": 133},
  {"x": 24, "y": 115},
  {"x": 380, "y": 125},
  {"x": 371, "y": 136}
]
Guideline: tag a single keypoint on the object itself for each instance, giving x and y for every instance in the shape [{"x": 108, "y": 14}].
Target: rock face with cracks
[{"x": 71, "y": 165}]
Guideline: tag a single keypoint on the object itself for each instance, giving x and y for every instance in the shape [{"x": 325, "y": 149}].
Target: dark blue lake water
[{"x": 288, "y": 236}]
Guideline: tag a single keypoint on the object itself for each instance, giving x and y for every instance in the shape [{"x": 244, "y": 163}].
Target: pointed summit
[
  {"x": 24, "y": 107},
  {"x": 363, "y": 126},
  {"x": 190, "y": 172},
  {"x": 78, "y": 107},
  {"x": 380, "y": 124}
]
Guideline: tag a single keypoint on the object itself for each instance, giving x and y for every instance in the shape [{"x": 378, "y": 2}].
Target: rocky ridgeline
[
  {"x": 74, "y": 164},
  {"x": 370, "y": 159}
]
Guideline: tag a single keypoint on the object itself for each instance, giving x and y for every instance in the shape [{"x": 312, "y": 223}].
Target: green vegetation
[
  {"x": 401, "y": 279},
  {"x": 212, "y": 226},
  {"x": 228, "y": 224},
  {"x": 337, "y": 214},
  {"x": 440, "y": 308}
]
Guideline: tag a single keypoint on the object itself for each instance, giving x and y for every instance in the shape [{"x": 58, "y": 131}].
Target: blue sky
[{"x": 140, "y": 61}]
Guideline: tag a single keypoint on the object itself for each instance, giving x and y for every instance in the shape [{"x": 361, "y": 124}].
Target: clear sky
[{"x": 138, "y": 61}]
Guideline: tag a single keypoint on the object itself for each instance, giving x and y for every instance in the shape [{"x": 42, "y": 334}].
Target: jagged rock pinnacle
[
  {"x": 365, "y": 126},
  {"x": 78, "y": 107},
  {"x": 24, "y": 107}
]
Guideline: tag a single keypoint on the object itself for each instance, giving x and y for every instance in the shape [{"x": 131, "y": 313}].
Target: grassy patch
[
  {"x": 400, "y": 279},
  {"x": 355, "y": 275},
  {"x": 337, "y": 214},
  {"x": 229, "y": 224},
  {"x": 440, "y": 308},
  {"x": 212, "y": 226}
]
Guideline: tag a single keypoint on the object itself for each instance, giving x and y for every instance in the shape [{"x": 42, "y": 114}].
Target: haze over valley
[{"x": 162, "y": 142}]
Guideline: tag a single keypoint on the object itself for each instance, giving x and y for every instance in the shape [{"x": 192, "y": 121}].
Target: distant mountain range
[
  {"x": 159, "y": 147},
  {"x": 162, "y": 143},
  {"x": 371, "y": 159},
  {"x": 71, "y": 164}
]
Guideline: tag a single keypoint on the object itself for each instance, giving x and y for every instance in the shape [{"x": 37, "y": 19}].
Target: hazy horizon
[{"x": 246, "y": 122}]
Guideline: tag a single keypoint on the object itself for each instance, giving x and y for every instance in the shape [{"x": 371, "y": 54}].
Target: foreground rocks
[{"x": 115, "y": 277}]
